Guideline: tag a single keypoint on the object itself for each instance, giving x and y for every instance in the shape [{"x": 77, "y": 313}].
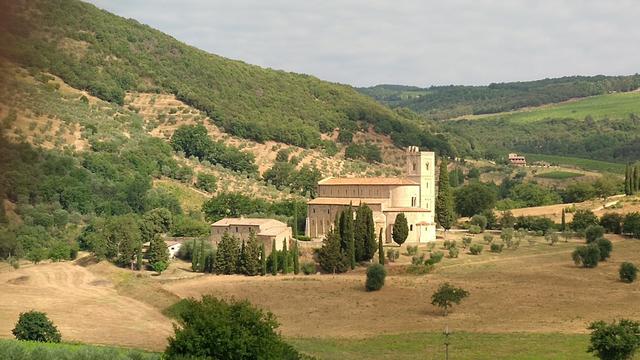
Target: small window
[
  {"x": 414, "y": 166},
  {"x": 327, "y": 211},
  {"x": 427, "y": 166},
  {"x": 236, "y": 229},
  {"x": 314, "y": 211},
  {"x": 411, "y": 227}
]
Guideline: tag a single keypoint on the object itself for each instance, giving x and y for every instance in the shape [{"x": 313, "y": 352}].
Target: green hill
[
  {"x": 107, "y": 55},
  {"x": 445, "y": 102},
  {"x": 618, "y": 105}
]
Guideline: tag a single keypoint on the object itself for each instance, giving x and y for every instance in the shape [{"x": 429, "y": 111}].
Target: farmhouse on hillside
[
  {"x": 517, "y": 160},
  {"x": 414, "y": 195},
  {"x": 266, "y": 230}
]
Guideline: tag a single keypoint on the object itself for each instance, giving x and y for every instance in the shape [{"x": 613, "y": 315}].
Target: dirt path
[{"x": 85, "y": 307}]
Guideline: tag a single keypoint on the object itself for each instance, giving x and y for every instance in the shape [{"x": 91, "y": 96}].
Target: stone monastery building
[{"x": 414, "y": 195}]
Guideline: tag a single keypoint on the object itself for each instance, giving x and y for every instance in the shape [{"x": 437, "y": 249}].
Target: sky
[{"x": 409, "y": 42}]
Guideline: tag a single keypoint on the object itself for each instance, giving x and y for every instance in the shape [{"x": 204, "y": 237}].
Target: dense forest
[
  {"x": 72, "y": 39},
  {"x": 445, "y": 102}
]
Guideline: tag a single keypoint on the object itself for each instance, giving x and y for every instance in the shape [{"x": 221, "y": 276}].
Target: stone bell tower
[{"x": 420, "y": 167}]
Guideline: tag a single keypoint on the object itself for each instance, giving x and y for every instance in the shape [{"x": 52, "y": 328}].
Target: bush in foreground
[
  {"x": 376, "y": 274},
  {"x": 628, "y": 272},
  {"x": 605, "y": 248},
  {"x": 476, "y": 249},
  {"x": 615, "y": 341},
  {"x": 447, "y": 295},
  {"x": 215, "y": 329},
  {"x": 309, "y": 268},
  {"x": 36, "y": 326}
]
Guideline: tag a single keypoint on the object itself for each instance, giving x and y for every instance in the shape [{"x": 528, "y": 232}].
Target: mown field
[
  {"x": 28, "y": 350},
  {"x": 617, "y": 105},
  {"x": 559, "y": 175},
  {"x": 586, "y": 164}
]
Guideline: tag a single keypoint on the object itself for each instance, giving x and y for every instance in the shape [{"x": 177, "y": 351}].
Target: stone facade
[
  {"x": 413, "y": 195},
  {"x": 266, "y": 231}
]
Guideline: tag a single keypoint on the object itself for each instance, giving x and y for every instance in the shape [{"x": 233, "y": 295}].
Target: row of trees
[
  {"x": 233, "y": 256},
  {"x": 283, "y": 174},
  {"x": 631, "y": 179},
  {"x": 349, "y": 241}
]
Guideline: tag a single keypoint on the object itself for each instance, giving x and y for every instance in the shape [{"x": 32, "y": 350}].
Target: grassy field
[
  {"x": 559, "y": 175},
  {"x": 463, "y": 345},
  {"x": 26, "y": 350},
  {"x": 618, "y": 105},
  {"x": 586, "y": 164}
]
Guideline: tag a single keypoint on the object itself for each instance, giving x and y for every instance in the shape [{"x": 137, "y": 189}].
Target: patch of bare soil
[{"x": 85, "y": 307}]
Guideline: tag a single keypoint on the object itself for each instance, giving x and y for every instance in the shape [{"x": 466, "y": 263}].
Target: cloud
[{"x": 414, "y": 42}]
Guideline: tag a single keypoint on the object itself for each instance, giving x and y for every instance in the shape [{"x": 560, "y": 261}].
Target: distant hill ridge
[
  {"x": 107, "y": 55},
  {"x": 445, "y": 102}
]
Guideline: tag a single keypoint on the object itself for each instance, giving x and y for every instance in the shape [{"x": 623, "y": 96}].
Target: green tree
[
  {"x": 347, "y": 239},
  {"x": 330, "y": 256},
  {"x": 631, "y": 224},
  {"x": 612, "y": 222},
  {"x": 158, "y": 251},
  {"x": 587, "y": 256},
  {"x": 593, "y": 233},
  {"x": 380, "y": 249},
  {"x": 160, "y": 266},
  {"x": 251, "y": 259},
  {"x": 627, "y": 180},
  {"x": 274, "y": 258},
  {"x": 445, "y": 214},
  {"x": 227, "y": 255},
  {"x": 154, "y": 222},
  {"x": 263, "y": 260},
  {"x": 285, "y": 258},
  {"x": 36, "y": 326},
  {"x": 376, "y": 274},
  {"x": 400, "y": 229},
  {"x": 447, "y": 295},
  {"x": 296, "y": 257},
  {"x": 582, "y": 219},
  {"x": 628, "y": 272},
  {"x": 215, "y": 329},
  {"x": 616, "y": 341},
  {"x": 474, "y": 198},
  {"x": 207, "y": 182},
  {"x": 563, "y": 221},
  {"x": 370, "y": 241}
]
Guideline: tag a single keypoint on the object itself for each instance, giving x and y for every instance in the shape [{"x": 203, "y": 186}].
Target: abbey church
[{"x": 414, "y": 195}]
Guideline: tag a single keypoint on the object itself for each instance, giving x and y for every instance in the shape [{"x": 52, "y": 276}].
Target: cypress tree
[
  {"x": 241, "y": 257},
  {"x": 445, "y": 214},
  {"x": 360, "y": 227},
  {"x": 226, "y": 261},
  {"x": 370, "y": 242},
  {"x": 627, "y": 180},
  {"x": 636, "y": 179},
  {"x": 194, "y": 256},
  {"x": 295, "y": 220},
  {"x": 202, "y": 255},
  {"x": 263, "y": 259},
  {"x": 331, "y": 259},
  {"x": 296, "y": 258},
  {"x": 158, "y": 251},
  {"x": 285, "y": 257},
  {"x": 274, "y": 259},
  {"x": 251, "y": 256},
  {"x": 380, "y": 249},
  {"x": 347, "y": 242},
  {"x": 563, "y": 224},
  {"x": 400, "y": 229}
]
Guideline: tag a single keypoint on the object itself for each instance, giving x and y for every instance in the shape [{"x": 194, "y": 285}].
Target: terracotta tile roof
[
  {"x": 248, "y": 221},
  {"x": 344, "y": 201},
  {"x": 367, "y": 181}
]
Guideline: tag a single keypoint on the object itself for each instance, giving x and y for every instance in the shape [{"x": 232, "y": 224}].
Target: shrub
[
  {"x": 215, "y": 329},
  {"x": 552, "y": 238},
  {"x": 476, "y": 249},
  {"x": 507, "y": 237},
  {"x": 36, "y": 326},
  {"x": 309, "y": 268},
  {"x": 628, "y": 272},
  {"x": 431, "y": 246},
  {"x": 582, "y": 219},
  {"x": 605, "y": 248},
  {"x": 488, "y": 238},
  {"x": 632, "y": 224},
  {"x": 593, "y": 233},
  {"x": 393, "y": 255},
  {"x": 417, "y": 260},
  {"x": 612, "y": 222},
  {"x": 615, "y": 341},
  {"x": 587, "y": 256},
  {"x": 375, "y": 277},
  {"x": 479, "y": 220},
  {"x": 453, "y": 252},
  {"x": 496, "y": 248},
  {"x": 435, "y": 257},
  {"x": 475, "y": 229},
  {"x": 419, "y": 269},
  {"x": 466, "y": 241},
  {"x": 412, "y": 250}
]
